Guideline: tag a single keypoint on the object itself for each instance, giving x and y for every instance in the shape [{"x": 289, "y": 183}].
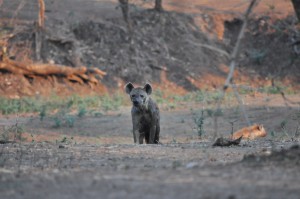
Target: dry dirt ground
[{"x": 96, "y": 158}]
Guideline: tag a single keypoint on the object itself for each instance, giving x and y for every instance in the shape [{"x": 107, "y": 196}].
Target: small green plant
[
  {"x": 66, "y": 140},
  {"x": 159, "y": 96},
  {"x": 272, "y": 134},
  {"x": 199, "y": 122},
  {"x": 13, "y": 133},
  {"x": 176, "y": 164},
  {"x": 271, "y": 7},
  {"x": 283, "y": 125},
  {"x": 32, "y": 138},
  {"x": 174, "y": 141},
  {"x": 111, "y": 102},
  {"x": 42, "y": 113},
  {"x": 297, "y": 133},
  {"x": 218, "y": 113},
  {"x": 257, "y": 55},
  {"x": 57, "y": 122},
  {"x": 209, "y": 112},
  {"x": 278, "y": 88},
  {"x": 200, "y": 96},
  {"x": 70, "y": 120},
  {"x": 81, "y": 111}
]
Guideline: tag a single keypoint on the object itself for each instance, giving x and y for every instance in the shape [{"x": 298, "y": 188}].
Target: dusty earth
[{"x": 96, "y": 157}]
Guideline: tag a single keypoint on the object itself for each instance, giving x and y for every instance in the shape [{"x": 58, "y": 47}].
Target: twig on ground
[
  {"x": 163, "y": 68},
  {"x": 7, "y": 142},
  {"x": 227, "y": 142}
]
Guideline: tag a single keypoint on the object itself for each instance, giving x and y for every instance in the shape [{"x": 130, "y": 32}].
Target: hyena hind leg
[
  {"x": 141, "y": 138},
  {"x": 147, "y": 137},
  {"x": 156, "y": 138}
]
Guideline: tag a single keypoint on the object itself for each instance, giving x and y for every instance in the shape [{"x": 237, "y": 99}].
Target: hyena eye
[
  {"x": 142, "y": 96},
  {"x": 132, "y": 95}
]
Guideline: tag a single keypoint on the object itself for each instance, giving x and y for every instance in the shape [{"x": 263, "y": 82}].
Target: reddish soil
[{"x": 267, "y": 54}]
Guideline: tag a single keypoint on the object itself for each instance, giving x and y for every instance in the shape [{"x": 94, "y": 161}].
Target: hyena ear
[
  {"x": 128, "y": 88},
  {"x": 148, "y": 89}
]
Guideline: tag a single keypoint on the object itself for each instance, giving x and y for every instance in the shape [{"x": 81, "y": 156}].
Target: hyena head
[{"x": 139, "y": 96}]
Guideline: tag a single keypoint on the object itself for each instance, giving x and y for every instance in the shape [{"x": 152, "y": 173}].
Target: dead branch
[
  {"x": 39, "y": 33},
  {"x": 287, "y": 101},
  {"x": 233, "y": 56},
  {"x": 158, "y": 6},
  {"x": 163, "y": 68},
  {"x": 7, "y": 142},
  {"x": 227, "y": 141},
  {"x": 237, "y": 46},
  {"x": 125, "y": 11},
  {"x": 79, "y": 74},
  {"x": 20, "y": 6},
  {"x": 38, "y": 42},
  {"x": 41, "y": 20},
  {"x": 223, "y": 52}
]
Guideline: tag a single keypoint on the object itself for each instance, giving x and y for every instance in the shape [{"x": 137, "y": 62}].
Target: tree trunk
[
  {"x": 158, "y": 5},
  {"x": 39, "y": 34},
  {"x": 41, "y": 20},
  {"x": 124, "y": 7},
  {"x": 125, "y": 12},
  {"x": 296, "y": 4}
]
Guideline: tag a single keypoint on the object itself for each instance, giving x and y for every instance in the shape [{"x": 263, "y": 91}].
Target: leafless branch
[
  {"x": 229, "y": 79},
  {"x": 20, "y": 6},
  {"x": 237, "y": 45},
  {"x": 223, "y": 52},
  {"x": 41, "y": 20}
]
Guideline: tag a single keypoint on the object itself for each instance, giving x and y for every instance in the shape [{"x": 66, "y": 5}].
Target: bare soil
[{"x": 97, "y": 158}]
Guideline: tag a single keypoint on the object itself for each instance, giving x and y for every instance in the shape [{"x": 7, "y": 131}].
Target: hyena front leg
[
  {"x": 137, "y": 136},
  {"x": 152, "y": 134},
  {"x": 136, "y": 133},
  {"x": 141, "y": 138},
  {"x": 133, "y": 133},
  {"x": 156, "y": 139}
]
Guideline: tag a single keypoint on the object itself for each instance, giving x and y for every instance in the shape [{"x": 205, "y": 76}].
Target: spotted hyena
[{"x": 145, "y": 114}]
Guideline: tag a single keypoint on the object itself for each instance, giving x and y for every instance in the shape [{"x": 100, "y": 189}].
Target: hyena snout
[{"x": 138, "y": 101}]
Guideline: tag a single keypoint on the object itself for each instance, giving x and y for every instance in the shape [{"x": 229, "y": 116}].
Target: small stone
[{"x": 191, "y": 165}]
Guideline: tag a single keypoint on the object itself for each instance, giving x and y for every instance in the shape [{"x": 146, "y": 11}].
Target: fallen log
[
  {"x": 227, "y": 141},
  {"x": 7, "y": 142},
  {"x": 78, "y": 74}
]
